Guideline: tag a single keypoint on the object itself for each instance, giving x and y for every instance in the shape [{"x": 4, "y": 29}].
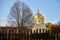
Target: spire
[{"x": 37, "y": 11}]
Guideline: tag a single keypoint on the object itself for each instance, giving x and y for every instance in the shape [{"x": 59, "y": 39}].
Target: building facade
[{"x": 38, "y": 22}]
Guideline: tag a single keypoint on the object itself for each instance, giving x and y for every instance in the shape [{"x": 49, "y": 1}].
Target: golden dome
[{"x": 38, "y": 16}]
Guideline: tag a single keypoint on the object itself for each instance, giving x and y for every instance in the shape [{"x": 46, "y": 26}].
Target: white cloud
[{"x": 3, "y": 22}]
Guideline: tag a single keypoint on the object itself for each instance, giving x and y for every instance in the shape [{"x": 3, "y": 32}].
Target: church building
[{"x": 38, "y": 22}]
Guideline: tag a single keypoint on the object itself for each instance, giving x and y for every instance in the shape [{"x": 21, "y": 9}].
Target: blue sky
[{"x": 50, "y": 9}]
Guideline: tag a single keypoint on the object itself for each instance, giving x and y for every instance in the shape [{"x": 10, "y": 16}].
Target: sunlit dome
[{"x": 38, "y": 16}]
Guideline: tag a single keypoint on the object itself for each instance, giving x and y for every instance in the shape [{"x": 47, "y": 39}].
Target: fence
[{"x": 14, "y": 34}]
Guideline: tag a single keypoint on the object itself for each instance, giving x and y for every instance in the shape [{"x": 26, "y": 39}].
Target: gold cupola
[
  {"x": 38, "y": 16},
  {"x": 38, "y": 22}
]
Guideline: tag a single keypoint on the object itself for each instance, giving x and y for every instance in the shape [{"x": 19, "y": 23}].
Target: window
[{"x": 38, "y": 20}]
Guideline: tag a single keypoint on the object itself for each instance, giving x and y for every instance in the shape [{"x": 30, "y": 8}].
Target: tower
[{"x": 38, "y": 22}]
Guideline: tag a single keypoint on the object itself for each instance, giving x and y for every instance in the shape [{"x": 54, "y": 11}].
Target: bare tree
[{"x": 20, "y": 15}]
